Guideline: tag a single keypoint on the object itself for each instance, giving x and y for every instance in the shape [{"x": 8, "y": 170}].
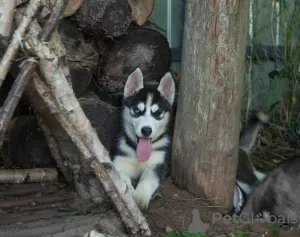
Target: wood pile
[{"x": 62, "y": 73}]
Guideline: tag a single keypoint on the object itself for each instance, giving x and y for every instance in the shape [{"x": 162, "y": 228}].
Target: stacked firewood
[{"x": 62, "y": 73}]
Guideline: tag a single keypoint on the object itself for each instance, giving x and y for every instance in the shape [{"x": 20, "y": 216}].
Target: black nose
[{"x": 146, "y": 131}]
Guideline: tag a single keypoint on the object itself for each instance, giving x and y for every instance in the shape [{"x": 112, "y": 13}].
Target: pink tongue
[{"x": 144, "y": 149}]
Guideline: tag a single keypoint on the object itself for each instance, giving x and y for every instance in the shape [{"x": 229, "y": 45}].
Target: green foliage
[
  {"x": 186, "y": 234},
  {"x": 73, "y": 210},
  {"x": 275, "y": 228},
  {"x": 4, "y": 197},
  {"x": 159, "y": 200},
  {"x": 274, "y": 94},
  {"x": 238, "y": 222},
  {"x": 239, "y": 233},
  {"x": 283, "y": 17}
]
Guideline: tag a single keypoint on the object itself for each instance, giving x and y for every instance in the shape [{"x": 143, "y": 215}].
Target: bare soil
[
  {"x": 171, "y": 211},
  {"x": 54, "y": 210}
]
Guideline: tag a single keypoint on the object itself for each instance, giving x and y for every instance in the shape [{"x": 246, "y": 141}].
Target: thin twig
[
  {"x": 26, "y": 72},
  {"x": 18, "y": 36}
]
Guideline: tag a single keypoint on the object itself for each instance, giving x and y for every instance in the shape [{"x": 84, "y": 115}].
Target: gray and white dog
[
  {"x": 143, "y": 148},
  {"x": 247, "y": 176},
  {"x": 277, "y": 197}
]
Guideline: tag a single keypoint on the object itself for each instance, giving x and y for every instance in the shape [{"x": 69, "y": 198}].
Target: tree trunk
[{"x": 209, "y": 102}]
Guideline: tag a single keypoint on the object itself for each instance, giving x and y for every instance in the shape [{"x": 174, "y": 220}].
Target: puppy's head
[{"x": 147, "y": 110}]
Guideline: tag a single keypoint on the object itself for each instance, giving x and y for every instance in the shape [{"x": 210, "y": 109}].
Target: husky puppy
[
  {"x": 143, "y": 147},
  {"x": 278, "y": 195},
  {"x": 247, "y": 176}
]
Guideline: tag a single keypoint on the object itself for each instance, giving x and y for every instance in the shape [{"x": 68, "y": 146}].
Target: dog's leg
[
  {"x": 148, "y": 183},
  {"x": 126, "y": 170}
]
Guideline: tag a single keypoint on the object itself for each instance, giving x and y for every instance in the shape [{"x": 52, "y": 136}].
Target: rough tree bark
[
  {"x": 73, "y": 120},
  {"x": 28, "y": 175},
  {"x": 12, "y": 50},
  {"x": 109, "y": 17},
  {"x": 209, "y": 101},
  {"x": 140, "y": 47},
  {"x": 26, "y": 71},
  {"x": 6, "y": 16}
]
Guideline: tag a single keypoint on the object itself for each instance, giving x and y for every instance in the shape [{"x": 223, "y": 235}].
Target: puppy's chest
[{"x": 157, "y": 157}]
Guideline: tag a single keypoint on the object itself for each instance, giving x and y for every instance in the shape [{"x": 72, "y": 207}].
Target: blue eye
[
  {"x": 158, "y": 112},
  {"x": 136, "y": 110}
]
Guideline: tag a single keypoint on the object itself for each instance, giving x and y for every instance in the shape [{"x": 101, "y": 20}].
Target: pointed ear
[
  {"x": 134, "y": 82},
  {"x": 167, "y": 87}
]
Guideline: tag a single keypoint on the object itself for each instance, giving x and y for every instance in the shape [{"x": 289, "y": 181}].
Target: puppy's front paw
[
  {"x": 142, "y": 198},
  {"x": 128, "y": 183}
]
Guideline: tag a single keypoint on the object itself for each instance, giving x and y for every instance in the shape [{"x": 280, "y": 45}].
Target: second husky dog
[
  {"x": 278, "y": 195},
  {"x": 247, "y": 176},
  {"x": 143, "y": 148}
]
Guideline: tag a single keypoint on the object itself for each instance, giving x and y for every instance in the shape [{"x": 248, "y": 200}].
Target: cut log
[
  {"x": 25, "y": 146},
  {"x": 82, "y": 57},
  {"x": 104, "y": 118},
  {"x": 71, "y": 8},
  {"x": 25, "y": 138},
  {"x": 141, "y": 47},
  {"x": 109, "y": 17},
  {"x": 141, "y": 10}
]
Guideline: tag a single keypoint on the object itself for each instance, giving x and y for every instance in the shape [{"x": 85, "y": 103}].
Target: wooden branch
[
  {"x": 30, "y": 200},
  {"x": 17, "y": 39},
  {"x": 29, "y": 188},
  {"x": 124, "y": 207},
  {"x": 63, "y": 227},
  {"x": 6, "y": 16},
  {"x": 69, "y": 113},
  {"x": 27, "y": 70},
  {"x": 28, "y": 175},
  {"x": 21, "y": 2},
  {"x": 107, "y": 17},
  {"x": 53, "y": 20},
  {"x": 141, "y": 10},
  {"x": 42, "y": 212},
  {"x": 94, "y": 233}
]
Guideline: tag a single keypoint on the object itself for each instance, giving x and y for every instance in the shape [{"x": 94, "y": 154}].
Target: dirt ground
[
  {"x": 50, "y": 210},
  {"x": 171, "y": 211}
]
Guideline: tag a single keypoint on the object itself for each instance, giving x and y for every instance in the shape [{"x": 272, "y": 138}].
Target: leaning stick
[
  {"x": 6, "y": 16},
  {"x": 17, "y": 176},
  {"x": 111, "y": 181},
  {"x": 26, "y": 71},
  {"x": 18, "y": 36},
  {"x": 62, "y": 102}
]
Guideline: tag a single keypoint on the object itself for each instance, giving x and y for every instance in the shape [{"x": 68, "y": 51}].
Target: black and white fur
[
  {"x": 247, "y": 176},
  {"x": 150, "y": 107},
  {"x": 278, "y": 195}
]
